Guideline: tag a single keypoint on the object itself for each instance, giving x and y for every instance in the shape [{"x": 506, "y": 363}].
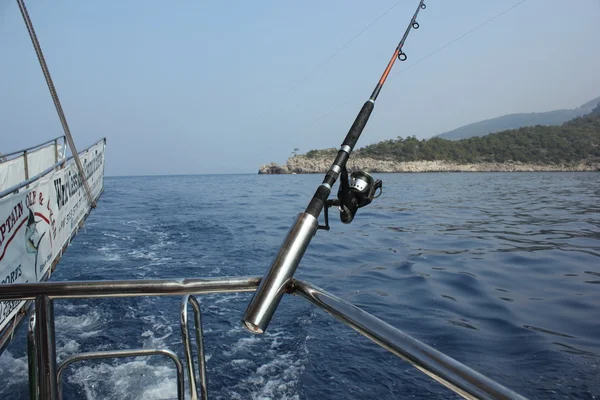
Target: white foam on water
[
  {"x": 131, "y": 312},
  {"x": 84, "y": 325},
  {"x": 277, "y": 379},
  {"x": 14, "y": 369},
  {"x": 229, "y": 298},
  {"x": 151, "y": 238},
  {"x": 136, "y": 378},
  {"x": 133, "y": 380},
  {"x": 161, "y": 243},
  {"x": 91, "y": 333},
  {"x": 113, "y": 257},
  {"x": 69, "y": 307},
  {"x": 125, "y": 238},
  {"x": 142, "y": 254},
  {"x": 213, "y": 309},
  {"x": 152, "y": 256},
  {"x": 151, "y": 341},
  {"x": 160, "y": 330},
  {"x": 74, "y": 329},
  {"x": 66, "y": 349},
  {"x": 278, "y": 374},
  {"x": 162, "y": 390},
  {"x": 241, "y": 362},
  {"x": 242, "y": 344},
  {"x": 110, "y": 252}
]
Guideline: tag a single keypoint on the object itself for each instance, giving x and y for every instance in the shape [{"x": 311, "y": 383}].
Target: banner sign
[{"x": 38, "y": 221}]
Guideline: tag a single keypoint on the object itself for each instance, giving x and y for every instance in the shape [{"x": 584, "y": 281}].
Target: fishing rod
[{"x": 353, "y": 193}]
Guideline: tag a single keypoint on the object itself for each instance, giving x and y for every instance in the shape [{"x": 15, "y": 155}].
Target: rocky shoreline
[{"x": 304, "y": 165}]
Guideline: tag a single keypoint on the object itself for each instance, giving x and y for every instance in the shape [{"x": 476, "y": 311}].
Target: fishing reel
[{"x": 354, "y": 193}]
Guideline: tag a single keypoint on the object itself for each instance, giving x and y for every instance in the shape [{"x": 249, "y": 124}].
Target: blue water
[{"x": 500, "y": 271}]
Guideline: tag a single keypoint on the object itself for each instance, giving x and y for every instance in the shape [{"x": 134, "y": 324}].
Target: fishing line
[
  {"x": 338, "y": 107},
  {"x": 463, "y": 35},
  {"x": 321, "y": 65},
  {"x": 305, "y": 127}
]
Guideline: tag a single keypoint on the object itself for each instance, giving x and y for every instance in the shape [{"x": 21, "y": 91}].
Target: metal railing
[
  {"x": 446, "y": 370},
  {"x": 59, "y": 160},
  {"x": 9, "y": 156},
  {"x": 59, "y": 164}
]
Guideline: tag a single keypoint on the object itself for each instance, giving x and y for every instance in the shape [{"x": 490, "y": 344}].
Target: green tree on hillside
[{"x": 575, "y": 140}]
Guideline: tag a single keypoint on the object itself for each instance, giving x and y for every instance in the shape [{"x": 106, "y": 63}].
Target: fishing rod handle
[{"x": 324, "y": 190}]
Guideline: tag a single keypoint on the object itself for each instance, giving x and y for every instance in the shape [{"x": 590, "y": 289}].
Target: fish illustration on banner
[
  {"x": 33, "y": 238},
  {"x": 25, "y": 240}
]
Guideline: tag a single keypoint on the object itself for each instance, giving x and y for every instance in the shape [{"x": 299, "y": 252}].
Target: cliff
[{"x": 304, "y": 165}]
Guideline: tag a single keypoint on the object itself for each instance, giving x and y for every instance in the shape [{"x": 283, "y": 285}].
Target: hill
[
  {"x": 515, "y": 121},
  {"x": 572, "y": 146},
  {"x": 573, "y": 141}
]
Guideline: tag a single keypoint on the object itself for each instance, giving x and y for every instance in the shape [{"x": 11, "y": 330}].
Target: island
[{"x": 572, "y": 146}]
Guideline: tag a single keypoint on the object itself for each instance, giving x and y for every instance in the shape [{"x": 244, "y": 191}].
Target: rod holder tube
[
  {"x": 46, "y": 347},
  {"x": 275, "y": 282}
]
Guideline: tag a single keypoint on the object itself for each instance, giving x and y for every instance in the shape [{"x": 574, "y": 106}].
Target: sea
[{"x": 500, "y": 271}]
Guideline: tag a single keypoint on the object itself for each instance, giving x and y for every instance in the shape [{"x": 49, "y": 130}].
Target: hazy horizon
[{"x": 205, "y": 88}]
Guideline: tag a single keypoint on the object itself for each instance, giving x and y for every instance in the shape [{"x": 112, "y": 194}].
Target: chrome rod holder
[{"x": 275, "y": 282}]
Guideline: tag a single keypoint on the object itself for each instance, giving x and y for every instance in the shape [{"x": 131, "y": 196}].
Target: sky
[{"x": 203, "y": 87}]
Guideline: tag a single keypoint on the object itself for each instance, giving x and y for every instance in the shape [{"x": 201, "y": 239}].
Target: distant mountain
[
  {"x": 574, "y": 141},
  {"x": 515, "y": 121}
]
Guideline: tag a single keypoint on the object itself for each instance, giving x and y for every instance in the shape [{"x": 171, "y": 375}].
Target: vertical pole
[
  {"x": 46, "y": 347},
  {"x": 188, "y": 299},
  {"x": 32, "y": 360},
  {"x": 26, "y": 164},
  {"x": 200, "y": 344},
  {"x": 55, "y": 151},
  {"x": 187, "y": 347}
]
